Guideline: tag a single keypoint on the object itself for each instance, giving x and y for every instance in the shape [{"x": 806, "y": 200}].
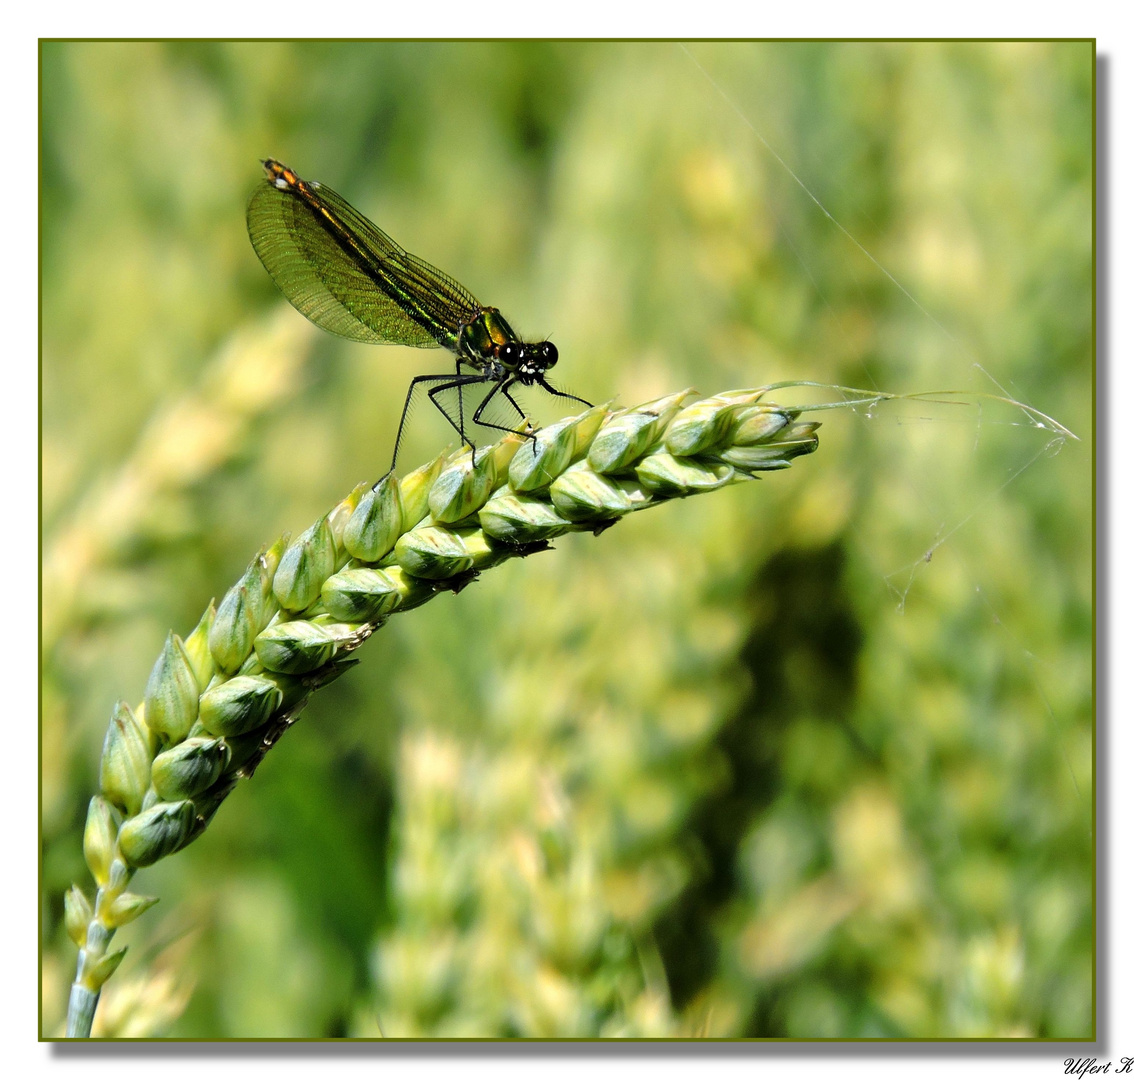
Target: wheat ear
[{"x": 217, "y": 701}]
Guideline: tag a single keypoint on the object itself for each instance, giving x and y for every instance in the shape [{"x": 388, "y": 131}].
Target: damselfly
[{"x": 347, "y": 276}]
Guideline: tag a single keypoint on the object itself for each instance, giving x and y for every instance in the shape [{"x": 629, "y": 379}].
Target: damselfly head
[{"x": 529, "y": 360}]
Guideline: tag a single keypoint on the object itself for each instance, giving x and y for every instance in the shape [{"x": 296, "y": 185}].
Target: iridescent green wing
[{"x": 347, "y": 276}]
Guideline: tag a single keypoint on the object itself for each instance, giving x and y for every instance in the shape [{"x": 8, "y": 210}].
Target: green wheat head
[{"x": 217, "y": 701}]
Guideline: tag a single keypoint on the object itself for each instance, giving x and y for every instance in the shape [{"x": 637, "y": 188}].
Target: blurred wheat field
[{"x": 807, "y": 758}]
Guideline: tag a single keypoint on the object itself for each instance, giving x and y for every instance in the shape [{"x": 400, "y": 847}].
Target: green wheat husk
[{"x": 217, "y": 701}]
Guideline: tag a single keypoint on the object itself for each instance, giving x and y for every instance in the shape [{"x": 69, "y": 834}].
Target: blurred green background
[{"x": 753, "y": 764}]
